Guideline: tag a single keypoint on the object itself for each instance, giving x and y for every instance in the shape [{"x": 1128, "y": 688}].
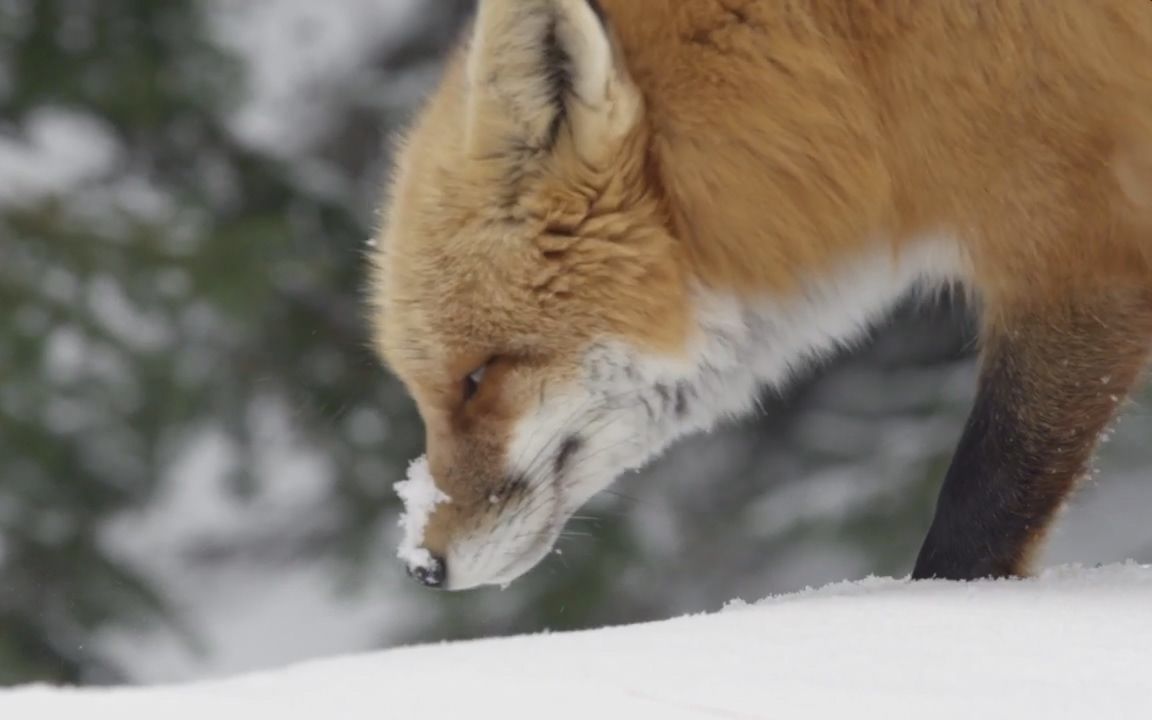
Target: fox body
[{"x": 614, "y": 222}]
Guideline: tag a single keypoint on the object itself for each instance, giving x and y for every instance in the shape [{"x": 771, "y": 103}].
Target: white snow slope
[{"x": 1072, "y": 643}]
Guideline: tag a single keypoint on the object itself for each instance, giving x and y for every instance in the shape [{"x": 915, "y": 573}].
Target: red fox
[{"x": 615, "y": 221}]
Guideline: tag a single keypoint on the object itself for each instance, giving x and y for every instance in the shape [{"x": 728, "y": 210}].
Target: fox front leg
[{"x": 1051, "y": 382}]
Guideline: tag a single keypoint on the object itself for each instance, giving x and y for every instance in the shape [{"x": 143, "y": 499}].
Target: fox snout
[
  {"x": 430, "y": 572},
  {"x": 479, "y": 528}
]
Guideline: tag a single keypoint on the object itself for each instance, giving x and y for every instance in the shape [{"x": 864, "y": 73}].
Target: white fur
[{"x": 628, "y": 407}]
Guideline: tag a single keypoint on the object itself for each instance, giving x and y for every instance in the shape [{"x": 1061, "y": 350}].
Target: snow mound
[
  {"x": 1072, "y": 643},
  {"x": 420, "y": 496}
]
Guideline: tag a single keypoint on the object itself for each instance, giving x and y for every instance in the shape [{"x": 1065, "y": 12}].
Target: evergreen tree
[{"x": 182, "y": 281}]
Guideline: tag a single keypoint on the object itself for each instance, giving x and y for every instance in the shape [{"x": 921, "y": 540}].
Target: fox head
[{"x": 523, "y": 272}]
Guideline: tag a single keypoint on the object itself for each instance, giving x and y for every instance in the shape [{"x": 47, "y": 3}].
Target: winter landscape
[{"x": 198, "y": 450}]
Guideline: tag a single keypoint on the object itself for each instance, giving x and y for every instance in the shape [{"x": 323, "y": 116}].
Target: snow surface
[
  {"x": 1073, "y": 643},
  {"x": 420, "y": 496}
]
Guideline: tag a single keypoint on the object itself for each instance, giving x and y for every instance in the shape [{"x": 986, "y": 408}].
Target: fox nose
[{"x": 431, "y": 573}]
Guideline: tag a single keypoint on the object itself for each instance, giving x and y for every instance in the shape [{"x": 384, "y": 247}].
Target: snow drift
[{"x": 1072, "y": 643}]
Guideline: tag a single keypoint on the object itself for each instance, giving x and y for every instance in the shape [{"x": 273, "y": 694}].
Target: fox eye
[{"x": 472, "y": 382}]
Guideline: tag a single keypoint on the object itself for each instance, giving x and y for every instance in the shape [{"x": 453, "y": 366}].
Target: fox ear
[{"x": 538, "y": 68}]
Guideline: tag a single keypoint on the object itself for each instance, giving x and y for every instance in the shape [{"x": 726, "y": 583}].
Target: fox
[{"x": 613, "y": 223}]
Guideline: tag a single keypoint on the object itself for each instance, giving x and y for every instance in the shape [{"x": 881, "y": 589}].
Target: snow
[
  {"x": 59, "y": 150},
  {"x": 420, "y": 497},
  {"x": 299, "y": 54},
  {"x": 1073, "y": 643}
]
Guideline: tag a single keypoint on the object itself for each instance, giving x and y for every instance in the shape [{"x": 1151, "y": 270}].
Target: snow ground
[{"x": 1073, "y": 643}]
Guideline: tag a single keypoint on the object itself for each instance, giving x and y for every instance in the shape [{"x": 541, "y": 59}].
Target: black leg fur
[{"x": 1051, "y": 383}]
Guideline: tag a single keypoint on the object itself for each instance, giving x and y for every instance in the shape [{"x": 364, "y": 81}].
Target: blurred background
[{"x": 197, "y": 449}]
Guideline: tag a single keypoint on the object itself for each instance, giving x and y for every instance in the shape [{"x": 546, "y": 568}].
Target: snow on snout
[{"x": 420, "y": 496}]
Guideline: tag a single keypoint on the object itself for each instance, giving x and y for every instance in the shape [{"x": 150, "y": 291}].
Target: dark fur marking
[
  {"x": 648, "y": 409},
  {"x": 568, "y": 448},
  {"x": 514, "y": 487},
  {"x": 681, "y": 400},
  {"x": 1032, "y": 432},
  {"x": 983, "y": 477},
  {"x": 701, "y": 37},
  {"x": 665, "y": 395},
  {"x": 557, "y": 66},
  {"x": 738, "y": 15},
  {"x": 516, "y": 484},
  {"x": 600, "y": 14}
]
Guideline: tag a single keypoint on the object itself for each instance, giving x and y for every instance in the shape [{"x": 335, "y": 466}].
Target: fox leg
[{"x": 1051, "y": 382}]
